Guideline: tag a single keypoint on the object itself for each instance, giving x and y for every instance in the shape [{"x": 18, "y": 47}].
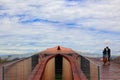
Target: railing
[
  {"x": 19, "y": 69},
  {"x": 89, "y": 68}
]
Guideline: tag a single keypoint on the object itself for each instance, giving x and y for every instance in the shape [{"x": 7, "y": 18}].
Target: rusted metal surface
[{"x": 76, "y": 72}]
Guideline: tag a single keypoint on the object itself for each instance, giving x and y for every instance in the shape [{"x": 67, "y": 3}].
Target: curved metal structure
[{"x": 47, "y": 55}]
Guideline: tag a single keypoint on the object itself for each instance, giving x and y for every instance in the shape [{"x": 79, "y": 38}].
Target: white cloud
[
  {"x": 93, "y": 22},
  {"x": 105, "y": 14}
]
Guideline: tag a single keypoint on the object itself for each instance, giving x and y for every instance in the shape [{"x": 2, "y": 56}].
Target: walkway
[{"x": 108, "y": 72}]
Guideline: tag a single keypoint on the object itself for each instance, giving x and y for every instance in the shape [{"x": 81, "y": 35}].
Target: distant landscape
[
  {"x": 18, "y": 56},
  {"x": 15, "y": 56}
]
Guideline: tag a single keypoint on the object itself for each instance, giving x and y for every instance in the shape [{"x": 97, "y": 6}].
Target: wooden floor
[{"x": 108, "y": 72}]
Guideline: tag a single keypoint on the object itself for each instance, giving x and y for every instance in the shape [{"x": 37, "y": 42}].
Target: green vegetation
[{"x": 58, "y": 77}]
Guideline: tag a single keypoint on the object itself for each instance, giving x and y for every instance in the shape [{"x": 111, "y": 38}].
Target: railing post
[
  {"x": 2, "y": 73},
  {"x": 98, "y": 72}
]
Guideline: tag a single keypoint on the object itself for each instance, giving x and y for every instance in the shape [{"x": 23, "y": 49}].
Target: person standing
[{"x": 107, "y": 53}]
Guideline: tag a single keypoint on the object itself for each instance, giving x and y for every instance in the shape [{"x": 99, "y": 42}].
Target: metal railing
[
  {"x": 89, "y": 68},
  {"x": 19, "y": 69}
]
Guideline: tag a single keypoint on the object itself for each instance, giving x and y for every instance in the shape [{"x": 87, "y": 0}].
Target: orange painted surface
[
  {"x": 49, "y": 72},
  {"x": 67, "y": 72},
  {"x": 54, "y": 50},
  {"x": 18, "y": 71},
  {"x": 76, "y": 73}
]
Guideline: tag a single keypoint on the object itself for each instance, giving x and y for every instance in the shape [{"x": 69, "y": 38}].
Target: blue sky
[{"x": 29, "y": 26}]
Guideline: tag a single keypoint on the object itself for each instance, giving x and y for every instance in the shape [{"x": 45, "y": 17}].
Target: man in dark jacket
[{"x": 107, "y": 53}]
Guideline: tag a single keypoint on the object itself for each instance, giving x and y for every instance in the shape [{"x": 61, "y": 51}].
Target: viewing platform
[
  {"x": 59, "y": 63},
  {"x": 108, "y": 72}
]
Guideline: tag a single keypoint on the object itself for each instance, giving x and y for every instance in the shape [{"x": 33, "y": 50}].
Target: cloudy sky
[{"x": 29, "y": 26}]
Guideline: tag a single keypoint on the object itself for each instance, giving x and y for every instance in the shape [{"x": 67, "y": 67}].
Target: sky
[{"x": 30, "y": 26}]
